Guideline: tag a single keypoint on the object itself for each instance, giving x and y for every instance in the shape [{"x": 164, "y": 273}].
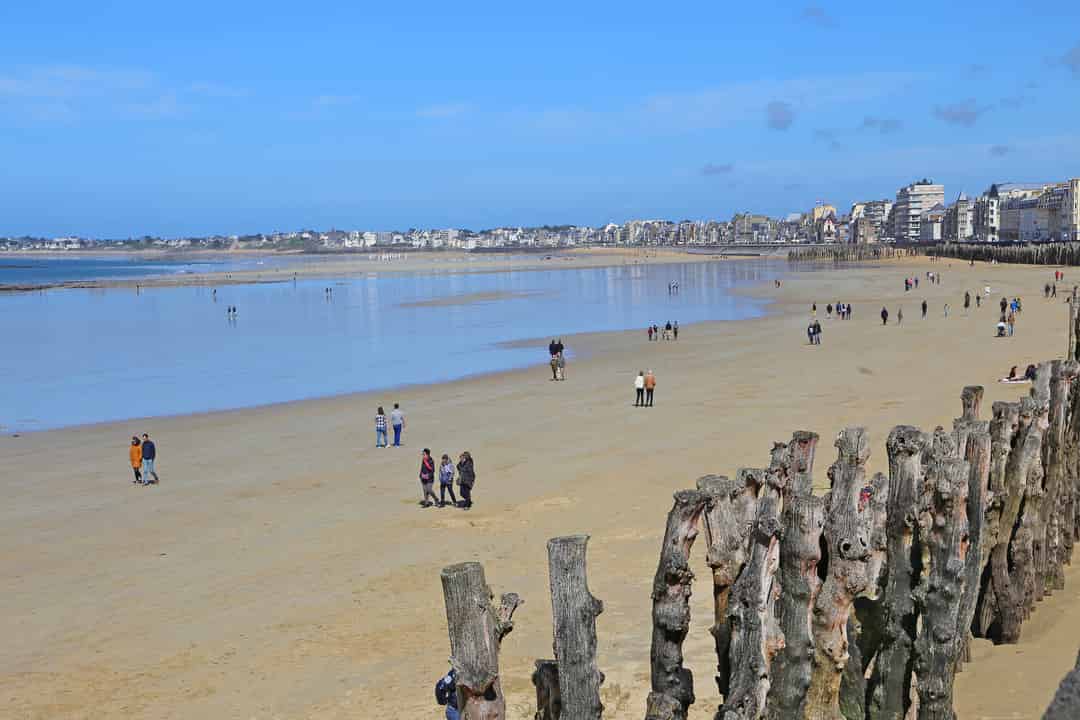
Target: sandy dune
[{"x": 284, "y": 570}]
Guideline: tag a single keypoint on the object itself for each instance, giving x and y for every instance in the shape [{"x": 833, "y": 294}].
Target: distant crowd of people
[{"x": 670, "y": 331}]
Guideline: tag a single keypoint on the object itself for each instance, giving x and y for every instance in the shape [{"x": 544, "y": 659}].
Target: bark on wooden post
[
  {"x": 996, "y": 531},
  {"x": 944, "y": 541},
  {"x": 1066, "y": 702},
  {"x": 1047, "y": 534},
  {"x": 800, "y": 551},
  {"x": 729, "y": 518},
  {"x": 476, "y": 630},
  {"x": 574, "y": 611},
  {"x": 672, "y": 684},
  {"x": 548, "y": 700},
  {"x": 1009, "y": 582},
  {"x": 977, "y": 455},
  {"x": 848, "y": 541},
  {"x": 889, "y": 688},
  {"x": 755, "y": 632}
]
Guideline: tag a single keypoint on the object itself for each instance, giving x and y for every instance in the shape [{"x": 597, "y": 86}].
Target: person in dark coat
[
  {"x": 466, "y": 479},
  {"x": 446, "y": 694},
  {"x": 884, "y": 316}
]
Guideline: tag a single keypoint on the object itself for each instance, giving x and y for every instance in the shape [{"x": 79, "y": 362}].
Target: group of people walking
[
  {"x": 466, "y": 478},
  {"x": 670, "y": 331},
  {"x": 557, "y": 351},
  {"x": 644, "y": 387},
  {"x": 142, "y": 454},
  {"x": 396, "y": 421}
]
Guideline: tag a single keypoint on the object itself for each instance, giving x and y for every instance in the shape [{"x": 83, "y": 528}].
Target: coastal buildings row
[{"x": 1005, "y": 212}]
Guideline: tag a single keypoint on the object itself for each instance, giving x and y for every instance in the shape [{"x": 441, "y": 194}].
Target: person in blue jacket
[{"x": 446, "y": 694}]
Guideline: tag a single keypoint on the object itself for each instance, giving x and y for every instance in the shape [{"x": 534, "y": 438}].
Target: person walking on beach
[
  {"x": 967, "y": 300},
  {"x": 978, "y": 301},
  {"x": 900, "y": 316},
  {"x": 1011, "y": 322},
  {"x": 446, "y": 481},
  {"x": 884, "y": 316},
  {"x": 397, "y": 420},
  {"x": 446, "y": 694},
  {"x": 946, "y": 309},
  {"x": 149, "y": 455},
  {"x": 810, "y": 333},
  {"x": 817, "y": 332},
  {"x": 924, "y": 309},
  {"x": 639, "y": 389},
  {"x": 650, "y": 386},
  {"x": 135, "y": 456},
  {"x": 466, "y": 473},
  {"x": 650, "y": 333},
  {"x": 380, "y": 428},
  {"x": 560, "y": 366},
  {"x": 675, "y": 329},
  {"x": 427, "y": 479}
]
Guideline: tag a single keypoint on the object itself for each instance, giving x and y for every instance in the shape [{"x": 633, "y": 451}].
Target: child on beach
[
  {"x": 135, "y": 455},
  {"x": 427, "y": 479},
  {"x": 446, "y": 481}
]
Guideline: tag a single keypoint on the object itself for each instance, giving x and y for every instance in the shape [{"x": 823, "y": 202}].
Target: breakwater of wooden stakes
[
  {"x": 1058, "y": 253},
  {"x": 849, "y": 253},
  {"x": 857, "y": 604}
]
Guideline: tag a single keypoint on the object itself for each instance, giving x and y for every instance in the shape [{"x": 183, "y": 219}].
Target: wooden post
[
  {"x": 574, "y": 611},
  {"x": 755, "y": 632},
  {"x": 476, "y": 630},
  {"x": 977, "y": 454},
  {"x": 800, "y": 551},
  {"x": 672, "y": 684},
  {"x": 548, "y": 700},
  {"x": 1066, "y": 702},
  {"x": 728, "y": 519},
  {"x": 944, "y": 542},
  {"x": 889, "y": 688},
  {"x": 848, "y": 542}
]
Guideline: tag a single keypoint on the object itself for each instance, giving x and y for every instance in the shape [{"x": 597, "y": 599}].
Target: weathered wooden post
[
  {"x": 889, "y": 688},
  {"x": 476, "y": 630},
  {"x": 977, "y": 455},
  {"x": 756, "y": 637},
  {"x": 728, "y": 519},
  {"x": 944, "y": 542},
  {"x": 1066, "y": 702},
  {"x": 672, "y": 684},
  {"x": 574, "y": 611},
  {"x": 849, "y": 533},
  {"x": 802, "y": 520}
]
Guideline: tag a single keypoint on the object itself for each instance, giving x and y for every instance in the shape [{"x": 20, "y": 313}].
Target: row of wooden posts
[{"x": 857, "y": 604}]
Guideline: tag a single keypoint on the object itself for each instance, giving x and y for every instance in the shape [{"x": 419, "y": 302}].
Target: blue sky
[{"x": 120, "y": 119}]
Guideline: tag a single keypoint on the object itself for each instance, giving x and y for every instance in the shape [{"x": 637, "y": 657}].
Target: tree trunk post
[
  {"x": 889, "y": 689},
  {"x": 848, "y": 541},
  {"x": 548, "y": 700},
  {"x": 756, "y": 637},
  {"x": 977, "y": 455},
  {"x": 574, "y": 611},
  {"x": 1066, "y": 702},
  {"x": 944, "y": 541},
  {"x": 728, "y": 519},
  {"x": 476, "y": 630},
  {"x": 800, "y": 551},
  {"x": 672, "y": 684}
]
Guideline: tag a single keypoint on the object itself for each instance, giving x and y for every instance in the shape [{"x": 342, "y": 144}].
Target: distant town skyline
[{"x": 132, "y": 119}]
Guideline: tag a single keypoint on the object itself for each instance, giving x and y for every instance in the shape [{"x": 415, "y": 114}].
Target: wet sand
[{"x": 284, "y": 569}]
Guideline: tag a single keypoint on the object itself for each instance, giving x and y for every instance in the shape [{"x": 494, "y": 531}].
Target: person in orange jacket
[{"x": 135, "y": 453}]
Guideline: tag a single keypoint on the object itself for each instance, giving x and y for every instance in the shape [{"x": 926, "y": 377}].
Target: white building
[{"x": 911, "y": 203}]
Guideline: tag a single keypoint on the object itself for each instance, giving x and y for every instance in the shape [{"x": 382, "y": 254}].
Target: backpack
[{"x": 446, "y": 690}]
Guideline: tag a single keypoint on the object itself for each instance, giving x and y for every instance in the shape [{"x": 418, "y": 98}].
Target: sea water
[{"x": 77, "y": 356}]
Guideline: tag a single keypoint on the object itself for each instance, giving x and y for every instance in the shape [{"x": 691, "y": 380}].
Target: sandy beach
[{"x": 284, "y": 570}]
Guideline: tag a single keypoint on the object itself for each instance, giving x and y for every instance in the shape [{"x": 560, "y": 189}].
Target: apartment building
[
  {"x": 959, "y": 222},
  {"x": 912, "y": 202}
]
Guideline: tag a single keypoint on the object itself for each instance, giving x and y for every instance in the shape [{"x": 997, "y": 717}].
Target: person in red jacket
[{"x": 427, "y": 479}]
